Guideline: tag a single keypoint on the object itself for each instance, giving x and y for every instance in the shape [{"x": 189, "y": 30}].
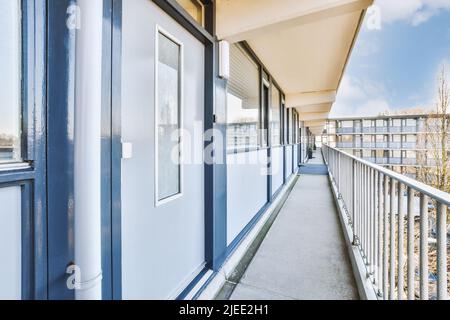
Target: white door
[{"x": 163, "y": 246}]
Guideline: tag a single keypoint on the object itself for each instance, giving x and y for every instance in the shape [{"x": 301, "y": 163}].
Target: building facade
[
  {"x": 129, "y": 131},
  {"x": 401, "y": 143}
]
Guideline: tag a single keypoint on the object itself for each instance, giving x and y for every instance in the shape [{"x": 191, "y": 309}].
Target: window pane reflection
[
  {"x": 168, "y": 116},
  {"x": 10, "y": 81}
]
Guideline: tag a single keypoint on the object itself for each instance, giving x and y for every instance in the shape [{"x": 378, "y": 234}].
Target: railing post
[
  {"x": 401, "y": 225},
  {"x": 441, "y": 225},
  {"x": 411, "y": 260},
  {"x": 424, "y": 295},
  {"x": 385, "y": 238},
  {"x": 354, "y": 202},
  {"x": 339, "y": 174},
  {"x": 380, "y": 231},
  {"x": 392, "y": 242}
]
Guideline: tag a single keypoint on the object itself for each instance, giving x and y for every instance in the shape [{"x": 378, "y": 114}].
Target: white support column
[{"x": 88, "y": 149}]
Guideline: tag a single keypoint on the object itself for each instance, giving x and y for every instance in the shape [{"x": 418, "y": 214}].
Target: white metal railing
[{"x": 404, "y": 258}]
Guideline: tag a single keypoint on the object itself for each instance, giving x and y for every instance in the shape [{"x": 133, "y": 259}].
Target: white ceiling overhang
[{"x": 305, "y": 45}]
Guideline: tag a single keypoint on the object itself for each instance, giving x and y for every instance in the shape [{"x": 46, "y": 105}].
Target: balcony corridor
[{"x": 304, "y": 255}]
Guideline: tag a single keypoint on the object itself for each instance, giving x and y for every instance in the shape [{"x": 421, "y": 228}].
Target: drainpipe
[{"x": 87, "y": 149}]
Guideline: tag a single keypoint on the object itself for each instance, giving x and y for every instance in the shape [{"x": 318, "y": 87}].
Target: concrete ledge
[
  {"x": 216, "y": 281},
  {"x": 365, "y": 286}
]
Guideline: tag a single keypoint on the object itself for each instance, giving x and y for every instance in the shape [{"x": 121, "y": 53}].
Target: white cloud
[
  {"x": 350, "y": 90},
  {"x": 368, "y": 108},
  {"x": 414, "y": 12},
  {"x": 373, "y": 108},
  {"x": 359, "y": 97}
]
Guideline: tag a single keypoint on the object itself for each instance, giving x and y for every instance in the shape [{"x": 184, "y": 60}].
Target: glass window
[
  {"x": 368, "y": 138},
  {"x": 168, "y": 118},
  {"x": 411, "y": 138},
  {"x": 347, "y": 124},
  {"x": 242, "y": 100},
  {"x": 295, "y": 128},
  {"x": 367, "y": 153},
  {"x": 10, "y": 81},
  {"x": 367, "y": 123},
  {"x": 287, "y": 125},
  {"x": 275, "y": 118},
  {"x": 195, "y": 9},
  {"x": 379, "y": 154},
  {"x": 292, "y": 125},
  {"x": 396, "y": 154}
]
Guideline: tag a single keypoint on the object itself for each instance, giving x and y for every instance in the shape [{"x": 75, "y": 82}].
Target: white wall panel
[
  {"x": 246, "y": 189},
  {"x": 10, "y": 243},
  {"x": 277, "y": 169},
  {"x": 295, "y": 158},
  {"x": 288, "y": 161}
]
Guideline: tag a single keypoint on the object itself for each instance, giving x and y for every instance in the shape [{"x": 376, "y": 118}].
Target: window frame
[
  {"x": 160, "y": 202},
  {"x": 264, "y": 137}
]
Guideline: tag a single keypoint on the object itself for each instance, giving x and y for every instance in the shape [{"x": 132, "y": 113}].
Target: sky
[{"x": 396, "y": 59}]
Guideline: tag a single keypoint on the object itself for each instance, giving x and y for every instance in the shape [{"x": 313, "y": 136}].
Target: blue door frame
[{"x": 60, "y": 124}]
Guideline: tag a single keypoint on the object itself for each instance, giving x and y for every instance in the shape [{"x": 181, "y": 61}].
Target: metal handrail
[
  {"x": 380, "y": 206},
  {"x": 437, "y": 194}
]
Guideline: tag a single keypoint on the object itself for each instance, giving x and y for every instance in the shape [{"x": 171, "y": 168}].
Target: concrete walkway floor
[{"x": 304, "y": 255}]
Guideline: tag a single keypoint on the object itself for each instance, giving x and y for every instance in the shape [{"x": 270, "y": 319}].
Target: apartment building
[{"x": 401, "y": 143}]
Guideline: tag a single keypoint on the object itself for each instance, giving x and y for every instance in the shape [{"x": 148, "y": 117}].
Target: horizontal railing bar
[{"x": 440, "y": 196}]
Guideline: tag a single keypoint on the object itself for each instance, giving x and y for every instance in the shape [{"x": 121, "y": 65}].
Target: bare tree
[{"x": 435, "y": 163}]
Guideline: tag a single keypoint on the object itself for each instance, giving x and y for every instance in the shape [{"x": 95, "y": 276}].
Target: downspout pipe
[{"x": 87, "y": 150}]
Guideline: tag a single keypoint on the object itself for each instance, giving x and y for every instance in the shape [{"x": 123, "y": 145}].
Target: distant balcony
[
  {"x": 395, "y": 129},
  {"x": 409, "y": 161},
  {"x": 395, "y": 160},
  {"x": 409, "y": 145},
  {"x": 381, "y": 129},
  {"x": 381, "y": 145},
  {"x": 409, "y": 129},
  {"x": 368, "y": 145},
  {"x": 345, "y": 144},
  {"x": 345, "y": 130},
  {"x": 368, "y": 130},
  {"x": 381, "y": 160},
  {"x": 395, "y": 145}
]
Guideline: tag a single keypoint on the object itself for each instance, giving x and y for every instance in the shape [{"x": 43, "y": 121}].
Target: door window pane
[
  {"x": 10, "y": 81},
  {"x": 168, "y": 118},
  {"x": 275, "y": 118}
]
